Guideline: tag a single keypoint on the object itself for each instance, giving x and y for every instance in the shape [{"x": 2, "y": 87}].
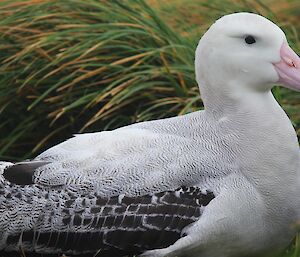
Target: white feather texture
[
  {"x": 242, "y": 147},
  {"x": 140, "y": 159}
]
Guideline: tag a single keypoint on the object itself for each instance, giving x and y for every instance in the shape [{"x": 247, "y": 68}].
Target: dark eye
[{"x": 250, "y": 40}]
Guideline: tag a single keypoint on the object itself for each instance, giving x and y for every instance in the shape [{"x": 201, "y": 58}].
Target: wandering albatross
[{"x": 222, "y": 182}]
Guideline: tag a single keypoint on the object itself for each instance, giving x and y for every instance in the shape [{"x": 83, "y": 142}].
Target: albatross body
[{"x": 222, "y": 182}]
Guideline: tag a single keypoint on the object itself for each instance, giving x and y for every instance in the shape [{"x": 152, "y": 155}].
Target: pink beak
[{"x": 288, "y": 68}]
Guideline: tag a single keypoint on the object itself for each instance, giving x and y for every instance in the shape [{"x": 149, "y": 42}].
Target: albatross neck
[
  {"x": 266, "y": 142},
  {"x": 229, "y": 99}
]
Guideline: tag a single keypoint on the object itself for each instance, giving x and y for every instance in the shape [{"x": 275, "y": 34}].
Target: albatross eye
[{"x": 250, "y": 40}]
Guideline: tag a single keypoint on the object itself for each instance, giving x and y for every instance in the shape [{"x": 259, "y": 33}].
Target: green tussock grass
[{"x": 78, "y": 66}]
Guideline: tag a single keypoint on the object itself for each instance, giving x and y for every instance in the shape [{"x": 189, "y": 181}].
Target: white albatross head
[{"x": 245, "y": 52}]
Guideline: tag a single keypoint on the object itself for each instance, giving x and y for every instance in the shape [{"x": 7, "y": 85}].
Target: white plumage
[{"x": 242, "y": 148}]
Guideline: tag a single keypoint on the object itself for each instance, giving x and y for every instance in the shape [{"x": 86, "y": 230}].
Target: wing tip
[{"x": 22, "y": 173}]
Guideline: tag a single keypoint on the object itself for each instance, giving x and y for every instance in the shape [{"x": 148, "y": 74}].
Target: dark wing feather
[
  {"x": 117, "y": 226},
  {"x": 22, "y": 173}
]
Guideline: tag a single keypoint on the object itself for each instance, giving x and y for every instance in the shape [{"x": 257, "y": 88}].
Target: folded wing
[{"x": 61, "y": 222}]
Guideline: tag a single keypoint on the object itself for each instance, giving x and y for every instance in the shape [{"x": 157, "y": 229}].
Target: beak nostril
[{"x": 290, "y": 62}]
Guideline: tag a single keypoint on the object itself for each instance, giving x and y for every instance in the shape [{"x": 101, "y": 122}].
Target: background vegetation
[{"x": 77, "y": 66}]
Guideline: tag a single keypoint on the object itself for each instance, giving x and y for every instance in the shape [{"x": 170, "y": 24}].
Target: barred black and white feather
[{"x": 59, "y": 221}]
